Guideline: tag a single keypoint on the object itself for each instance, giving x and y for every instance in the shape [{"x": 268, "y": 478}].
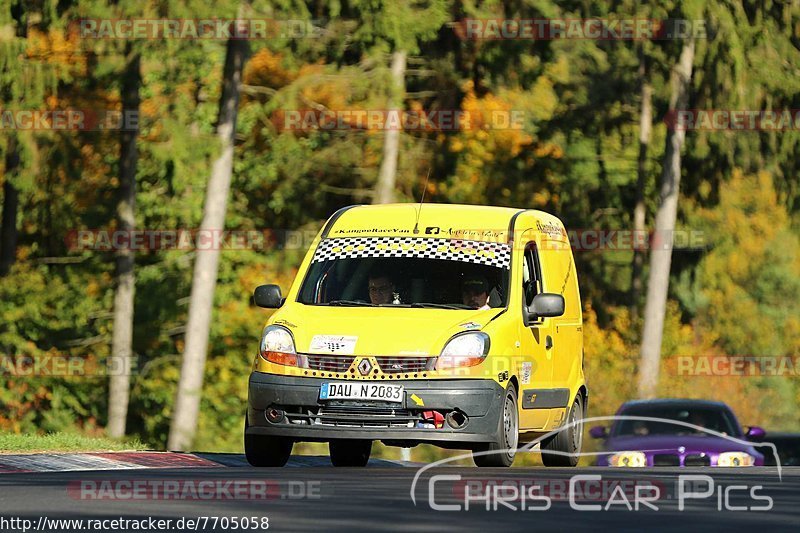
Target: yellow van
[{"x": 453, "y": 325}]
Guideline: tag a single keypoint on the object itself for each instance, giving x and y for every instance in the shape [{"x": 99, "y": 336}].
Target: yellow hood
[{"x": 379, "y": 330}]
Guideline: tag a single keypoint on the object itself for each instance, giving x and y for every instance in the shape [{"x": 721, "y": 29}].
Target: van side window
[{"x": 531, "y": 274}]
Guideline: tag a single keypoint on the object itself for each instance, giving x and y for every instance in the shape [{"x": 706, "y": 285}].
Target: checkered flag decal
[{"x": 480, "y": 252}]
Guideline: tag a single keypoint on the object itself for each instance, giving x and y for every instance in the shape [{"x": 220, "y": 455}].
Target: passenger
[
  {"x": 475, "y": 292},
  {"x": 381, "y": 289}
]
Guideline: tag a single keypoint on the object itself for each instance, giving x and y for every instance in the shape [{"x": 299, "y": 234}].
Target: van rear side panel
[{"x": 562, "y": 279}]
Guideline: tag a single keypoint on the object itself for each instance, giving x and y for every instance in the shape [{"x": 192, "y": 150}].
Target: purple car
[{"x": 637, "y": 440}]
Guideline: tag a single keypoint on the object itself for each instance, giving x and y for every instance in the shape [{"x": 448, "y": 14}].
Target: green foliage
[{"x": 749, "y": 281}]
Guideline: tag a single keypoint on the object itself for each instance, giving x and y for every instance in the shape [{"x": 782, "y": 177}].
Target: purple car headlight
[
  {"x": 735, "y": 459},
  {"x": 628, "y": 459}
]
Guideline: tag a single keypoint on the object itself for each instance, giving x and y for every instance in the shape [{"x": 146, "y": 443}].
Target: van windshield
[{"x": 408, "y": 272}]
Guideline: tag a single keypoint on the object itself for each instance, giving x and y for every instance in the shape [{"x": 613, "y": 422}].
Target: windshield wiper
[
  {"x": 350, "y": 303},
  {"x": 440, "y": 306}
]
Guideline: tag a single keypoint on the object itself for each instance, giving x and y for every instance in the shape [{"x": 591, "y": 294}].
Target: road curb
[
  {"x": 99, "y": 461},
  {"x": 71, "y": 462}
]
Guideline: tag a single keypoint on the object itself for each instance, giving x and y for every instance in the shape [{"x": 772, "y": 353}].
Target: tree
[
  {"x": 204, "y": 280},
  {"x": 8, "y": 226},
  {"x": 122, "y": 340},
  {"x": 387, "y": 176},
  {"x": 661, "y": 254},
  {"x": 398, "y": 27},
  {"x": 12, "y": 91},
  {"x": 639, "y": 211}
]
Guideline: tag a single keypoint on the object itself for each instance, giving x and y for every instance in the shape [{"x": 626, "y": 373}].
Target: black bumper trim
[
  {"x": 478, "y": 399},
  {"x": 545, "y": 398}
]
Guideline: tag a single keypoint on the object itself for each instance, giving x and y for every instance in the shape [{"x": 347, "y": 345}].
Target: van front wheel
[
  {"x": 263, "y": 450},
  {"x": 502, "y": 452}
]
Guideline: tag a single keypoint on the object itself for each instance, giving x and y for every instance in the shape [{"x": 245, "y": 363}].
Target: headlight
[
  {"x": 628, "y": 459},
  {"x": 465, "y": 349},
  {"x": 277, "y": 346},
  {"x": 735, "y": 459}
]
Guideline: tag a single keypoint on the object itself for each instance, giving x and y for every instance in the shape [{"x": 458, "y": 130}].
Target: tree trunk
[
  {"x": 645, "y": 128},
  {"x": 122, "y": 341},
  {"x": 8, "y": 227},
  {"x": 387, "y": 176},
  {"x": 204, "y": 281},
  {"x": 661, "y": 252}
]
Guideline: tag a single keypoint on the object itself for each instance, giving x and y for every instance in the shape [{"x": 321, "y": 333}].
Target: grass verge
[{"x": 63, "y": 442}]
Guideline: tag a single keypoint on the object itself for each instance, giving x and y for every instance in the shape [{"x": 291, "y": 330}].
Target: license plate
[{"x": 361, "y": 391}]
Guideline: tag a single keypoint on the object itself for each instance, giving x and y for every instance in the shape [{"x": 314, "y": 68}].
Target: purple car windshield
[{"x": 709, "y": 418}]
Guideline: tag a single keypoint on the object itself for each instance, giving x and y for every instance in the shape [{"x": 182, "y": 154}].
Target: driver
[
  {"x": 640, "y": 428},
  {"x": 697, "y": 419},
  {"x": 381, "y": 288},
  {"x": 475, "y": 292}
]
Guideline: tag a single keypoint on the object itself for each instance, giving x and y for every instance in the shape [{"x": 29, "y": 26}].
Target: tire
[
  {"x": 263, "y": 450},
  {"x": 350, "y": 452},
  {"x": 566, "y": 443},
  {"x": 501, "y": 453}
]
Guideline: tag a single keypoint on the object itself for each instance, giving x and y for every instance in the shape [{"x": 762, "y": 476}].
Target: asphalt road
[{"x": 322, "y": 498}]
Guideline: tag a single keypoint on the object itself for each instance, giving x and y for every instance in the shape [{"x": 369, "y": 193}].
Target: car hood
[
  {"x": 378, "y": 330},
  {"x": 650, "y": 444}
]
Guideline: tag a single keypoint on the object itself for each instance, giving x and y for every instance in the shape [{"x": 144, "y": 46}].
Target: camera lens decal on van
[{"x": 479, "y": 252}]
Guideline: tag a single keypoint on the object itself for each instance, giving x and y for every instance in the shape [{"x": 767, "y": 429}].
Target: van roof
[{"x": 477, "y": 222}]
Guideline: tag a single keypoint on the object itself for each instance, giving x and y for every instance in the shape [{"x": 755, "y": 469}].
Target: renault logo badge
[{"x": 364, "y": 367}]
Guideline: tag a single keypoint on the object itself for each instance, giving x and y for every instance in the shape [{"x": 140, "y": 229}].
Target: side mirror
[
  {"x": 546, "y": 304},
  {"x": 755, "y": 434},
  {"x": 598, "y": 432},
  {"x": 268, "y": 296}
]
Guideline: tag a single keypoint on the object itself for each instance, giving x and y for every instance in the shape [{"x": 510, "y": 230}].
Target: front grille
[
  {"x": 666, "y": 459},
  {"x": 330, "y": 363},
  {"x": 378, "y": 415},
  {"x": 697, "y": 459},
  {"x": 389, "y": 365},
  {"x": 395, "y": 365}
]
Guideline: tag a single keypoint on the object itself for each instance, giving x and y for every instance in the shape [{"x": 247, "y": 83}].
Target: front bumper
[
  {"x": 689, "y": 459},
  {"x": 308, "y": 419}
]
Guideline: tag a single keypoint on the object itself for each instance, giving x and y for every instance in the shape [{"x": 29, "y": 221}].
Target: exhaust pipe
[{"x": 456, "y": 419}]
